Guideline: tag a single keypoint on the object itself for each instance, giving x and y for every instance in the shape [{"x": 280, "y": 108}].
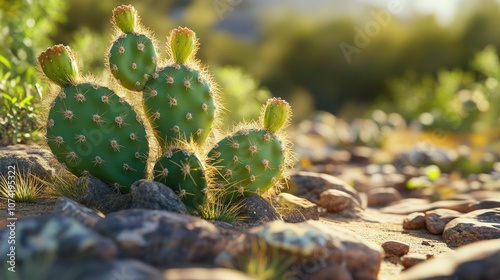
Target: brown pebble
[
  {"x": 414, "y": 221},
  {"x": 395, "y": 248},
  {"x": 412, "y": 259}
]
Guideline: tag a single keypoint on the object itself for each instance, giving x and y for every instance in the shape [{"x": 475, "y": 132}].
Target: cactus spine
[
  {"x": 179, "y": 100},
  {"x": 132, "y": 58},
  {"x": 89, "y": 128},
  {"x": 254, "y": 160}
]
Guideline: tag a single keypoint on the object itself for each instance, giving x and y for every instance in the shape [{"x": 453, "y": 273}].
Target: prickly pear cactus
[
  {"x": 254, "y": 160},
  {"x": 184, "y": 172},
  {"x": 178, "y": 99},
  {"x": 132, "y": 57},
  {"x": 89, "y": 128}
]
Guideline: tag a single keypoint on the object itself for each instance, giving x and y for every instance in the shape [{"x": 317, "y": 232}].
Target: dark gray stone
[
  {"x": 162, "y": 238},
  {"x": 70, "y": 208},
  {"x": 147, "y": 194},
  {"x": 38, "y": 161},
  {"x": 102, "y": 197},
  {"x": 257, "y": 211}
]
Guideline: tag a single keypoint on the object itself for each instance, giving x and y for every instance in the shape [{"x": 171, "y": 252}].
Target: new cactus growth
[
  {"x": 254, "y": 160},
  {"x": 132, "y": 57},
  {"x": 184, "y": 172},
  {"x": 179, "y": 101},
  {"x": 89, "y": 128}
]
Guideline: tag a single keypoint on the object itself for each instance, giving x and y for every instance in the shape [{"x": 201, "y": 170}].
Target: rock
[
  {"x": 28, "y": 158},
  {"x": 70, "y": 208},
  {"x": 382, "y": 196},
  {"x": 305, "y": 249},
  {"x": 395, "y": 248},
  {"x": 102, "y": 197},
  {"x": 412, "y": 259},
  {"x": 288, "y": 202},
  {"x": 257, "y": 211},
  {"x": 310, "y": 185},
  {"x": 410, "y": 205},
  {"x": 480, "y": 260},
  {"x": 474, "y": 226},
  {"x": 414, "y": 221},
  {"x": 147, "y": 194},
  {"x": 336, "y": 201},
  {"x": 55, "y": 237},
  {"x": 205, "y": 273},
  {"x": 291, "y": 215},
  {"x": 326, "y": 273},
  {"x": 485, "y": 204},
  {"x": 436, "y": 220},
  {"x": 162, "y": 238}
]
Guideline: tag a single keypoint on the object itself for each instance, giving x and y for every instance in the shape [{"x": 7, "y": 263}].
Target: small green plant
[
  {"x": 68, "y": 185},
  {"x": 216, "y": 210},
  {"x": 25, "y": 187}
]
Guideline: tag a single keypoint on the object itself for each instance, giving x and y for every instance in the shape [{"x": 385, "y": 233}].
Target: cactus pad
[
  {"x": 59, "y": 65},
  {"x": 183, "y": 172},
  {"x": 93, "y": 131}
]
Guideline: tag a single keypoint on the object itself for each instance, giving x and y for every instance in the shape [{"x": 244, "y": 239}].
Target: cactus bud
[
  {"x": 59, "y": 65},
  {"x": 276, "y": 114},
  {"x": 182, "y": 44},
  {"x": 124, "y": 17}
]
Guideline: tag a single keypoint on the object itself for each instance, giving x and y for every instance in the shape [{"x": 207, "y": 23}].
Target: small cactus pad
[
  {"x": 183, "y": 172},
  {"x": 250, "y": 161},
  {"x": 179, "y": 104},
  {"x": 276, "y": 114},
  {"x": 125, "y": 17},
  {"x": 59, "y": 65},
  {"x": 182, "y": 44},
  {"x": 93, "y": 131}
]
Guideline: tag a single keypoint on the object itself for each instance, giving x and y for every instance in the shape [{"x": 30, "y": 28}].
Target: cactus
[
  {"x": 132, "y": 56},
  {"x": 254, "y": 160},
  {"x": 183, "y": 171},
  {"x": 179, "y": 100},
  {"x": 89, "y": 128}
]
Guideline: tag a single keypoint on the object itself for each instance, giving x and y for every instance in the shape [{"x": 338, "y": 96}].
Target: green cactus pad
[
  {"x": 132, "y": 60},
  {"x": 182, "y": 44},
  {"x": 179, "y": 104},
  {"x": 59, "y": 65},
  {"x": 250, "y": 161},
  {"x": 276, "y": 114},
  {"x": 93, "y": 131},
  {"x": 125, "y": 17},
  {"x": 183, "y": 172}
]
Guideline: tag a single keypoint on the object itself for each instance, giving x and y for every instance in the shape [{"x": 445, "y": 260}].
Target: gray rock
[
  {"x": 162, "y": 238},
  {"x": 56, "y": 238},
  {"x": 382, "y": 196},
  {"x": 480, "y": 260},
  {"x": 102, "y": 197},
  {"x": 257, "y": 211},
  {"x": 147, "y": 194},
  {"x": 310, "y": 185},
  {"x": 414, "y": 221},
  {"x": 38, "y": 161},
  {"x": 205, "y": 273},
  {"x": 70, "y": 208},
  {"x": 436, "y": 220},
  {"x": 301, "y": 250},
  {"x": 336, "y": 201},
  {"x": 294, "y": 209},
  {"x": 474, "y": 226}
]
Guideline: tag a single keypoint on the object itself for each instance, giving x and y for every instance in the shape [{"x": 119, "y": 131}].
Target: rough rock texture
[
  {"x": 161, "y": 237},
  {"x": 153, "y": 195},
  {"x": 306, "y": 248},
  {"x": 290, "y": 204},
  {"x": 412, "y": 259},
  {"x": 310, "y": 185},
  {"x": 102, "y": 197},
  {"x": 257, "y": 211},
  {"x": 382, "y": 196},
  {"x": 395, "y": 248},
  {"x": 480, "y": 260},
  {"x": 436, "y": 220},
  {"x": 336, "y": 201},
  {"x": 414, "y": 221},
  {"x": 56, "y": 237},
  {"x": 69, "y": 208},
  {"x": 39, "y": 162},
  {"x": 474, "y": 226},
  {"x": 204, "y": 274},
  {"x": 484, "y": 204}
]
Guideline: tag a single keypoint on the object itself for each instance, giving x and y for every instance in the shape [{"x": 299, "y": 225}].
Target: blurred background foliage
[{"x": 441, "y": 75}]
